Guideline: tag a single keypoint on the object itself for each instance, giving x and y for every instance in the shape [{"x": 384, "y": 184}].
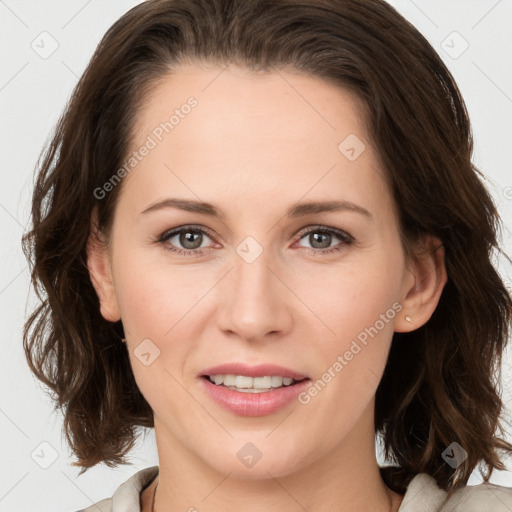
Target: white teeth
[
  {"x": 276, "y": 381},
  {"x": 251, "y": 384}
]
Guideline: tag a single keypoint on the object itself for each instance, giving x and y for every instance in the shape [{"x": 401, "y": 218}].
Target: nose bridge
[
  {"x": 257, "y": 302},
  {"x": 251, "y": 273}
]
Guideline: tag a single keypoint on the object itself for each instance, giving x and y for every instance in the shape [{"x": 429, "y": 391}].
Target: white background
[{"x": 33, "y": 92}]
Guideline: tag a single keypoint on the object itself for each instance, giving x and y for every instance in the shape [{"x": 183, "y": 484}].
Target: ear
[
  {"x": 422, "y": 290},
  {"x": 99, "y": 266}
]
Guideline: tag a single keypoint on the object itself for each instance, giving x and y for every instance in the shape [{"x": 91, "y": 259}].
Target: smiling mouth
[{"x": 245, "y": 384}]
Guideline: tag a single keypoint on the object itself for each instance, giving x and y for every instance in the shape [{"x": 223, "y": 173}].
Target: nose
[{"x": 257, "y": 303}]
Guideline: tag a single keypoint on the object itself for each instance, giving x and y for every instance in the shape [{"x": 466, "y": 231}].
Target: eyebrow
[{"x": 297, "y": 210}]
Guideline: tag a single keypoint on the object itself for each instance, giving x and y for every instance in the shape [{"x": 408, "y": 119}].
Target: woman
[{"x": 273, "y": 205}]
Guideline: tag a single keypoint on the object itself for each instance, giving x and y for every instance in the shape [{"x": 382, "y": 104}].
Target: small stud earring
[{"x": 408, "y": 319}]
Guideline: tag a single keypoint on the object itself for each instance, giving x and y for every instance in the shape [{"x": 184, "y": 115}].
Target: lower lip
[{"x": 254, "y": 404}]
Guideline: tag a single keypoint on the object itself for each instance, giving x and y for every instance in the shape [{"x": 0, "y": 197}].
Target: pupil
[
  {"x": 187, "y": 237},
  {"x": 326, "y": 241}
]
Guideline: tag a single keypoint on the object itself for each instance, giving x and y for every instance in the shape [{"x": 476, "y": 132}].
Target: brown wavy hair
[{"x": 440, "y": 384}]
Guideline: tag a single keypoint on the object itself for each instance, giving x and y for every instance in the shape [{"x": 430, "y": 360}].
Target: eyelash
[{"x": 345, "y": 238}]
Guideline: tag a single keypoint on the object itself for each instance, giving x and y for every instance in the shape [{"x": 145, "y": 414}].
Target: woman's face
[{"x": 299, "y": 291}]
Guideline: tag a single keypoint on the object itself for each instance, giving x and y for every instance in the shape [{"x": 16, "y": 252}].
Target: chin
[{"x": 259, "y": 460}]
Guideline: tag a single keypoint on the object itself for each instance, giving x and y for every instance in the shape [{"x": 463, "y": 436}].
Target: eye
[
  {"x": 189, "y": 237},
  {"x": 321, "y": 238}
]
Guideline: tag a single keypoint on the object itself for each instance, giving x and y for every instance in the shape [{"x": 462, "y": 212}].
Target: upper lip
[{"x": 260, "y": 370}]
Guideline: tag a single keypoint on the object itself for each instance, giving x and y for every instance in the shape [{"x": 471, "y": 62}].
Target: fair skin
[{"x": 254, "y": 146}]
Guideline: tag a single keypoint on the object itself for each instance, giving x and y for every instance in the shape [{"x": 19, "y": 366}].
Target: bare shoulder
[{"x": 485, "y": 497}]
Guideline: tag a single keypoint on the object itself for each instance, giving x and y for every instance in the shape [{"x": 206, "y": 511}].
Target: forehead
[
  {"x": 285, "y": 102},
  {"x": 257, "y": 132}
]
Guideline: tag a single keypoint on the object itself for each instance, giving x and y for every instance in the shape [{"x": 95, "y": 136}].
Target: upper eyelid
[{"x": 172, "y": 232}]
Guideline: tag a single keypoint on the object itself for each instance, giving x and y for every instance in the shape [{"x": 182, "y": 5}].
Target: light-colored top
[{"x": 422, "y": 495}]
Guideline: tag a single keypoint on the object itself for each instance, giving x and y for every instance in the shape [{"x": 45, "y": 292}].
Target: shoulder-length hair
[{"x": 439, "y": 384}]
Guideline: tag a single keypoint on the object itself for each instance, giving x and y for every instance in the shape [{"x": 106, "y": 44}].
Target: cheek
[
  {"x": 348, "y": 300},
  {"x": 143, "y": 302},
  {"x": 153, "y": 294},
  {"x": 359, "y": 306},
  {"x": 156, "y": 302},
  {"x": 160, "y": 302},
  {"x": 361, "y": 309}
]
